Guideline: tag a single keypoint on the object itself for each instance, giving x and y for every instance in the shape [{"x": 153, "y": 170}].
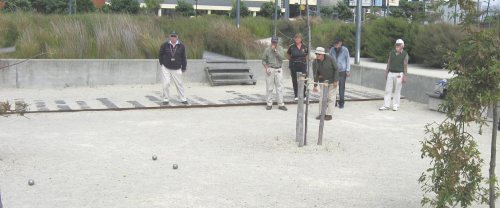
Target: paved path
[{"x": 149, "y": 96}]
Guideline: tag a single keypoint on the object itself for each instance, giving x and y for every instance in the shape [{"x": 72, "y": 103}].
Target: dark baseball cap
[
  {"x": 274, "y": 39},
  {"x": 337, "y": 40},
  {"x": 173, "y": 34}
]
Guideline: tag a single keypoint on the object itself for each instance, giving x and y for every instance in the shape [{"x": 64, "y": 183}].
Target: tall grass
[{"x": 104, "y": 36}]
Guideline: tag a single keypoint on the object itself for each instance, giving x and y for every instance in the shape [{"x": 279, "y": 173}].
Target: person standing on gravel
[
  {"x": 395, "y": 72},
  {"x": 325, "y": 68},
  {"x": 173, "y": 64},
  {"x": 341, "y": 56},
  {"x": 272, "y": 60},
  {"x": 297, "y": 55}
]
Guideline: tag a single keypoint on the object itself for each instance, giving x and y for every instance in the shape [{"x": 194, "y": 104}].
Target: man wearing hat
[
  {"x": 395, "y": 72},
  {"x": 173, "y": 63},
  {"x": 325, "y": 68},
  {"x": 341, "y": 56},
  {"x": 272, "y": 60}
]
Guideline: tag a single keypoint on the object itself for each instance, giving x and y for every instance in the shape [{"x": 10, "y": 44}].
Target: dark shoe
[
  {"x": 341, "y": 106},
  {"x": 185, "y": 102},
  {"x": 283, "y": 108},
  {"x": 328, "y": 117},
  {"x": 318, "y": 117},
  {"x": 269, "y": 107},
  {"x": 164, "y": 103}
]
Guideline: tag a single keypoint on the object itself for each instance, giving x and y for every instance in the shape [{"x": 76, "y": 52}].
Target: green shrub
[
  {"x": 288, "y": 29},
  {"x": 380, "y": 35},
  {"x": 259, "y": 26},
  {"x": 8, "y": 31},
  {"x": 433, "y": 43},
  {"x": 326, "y": 32}
]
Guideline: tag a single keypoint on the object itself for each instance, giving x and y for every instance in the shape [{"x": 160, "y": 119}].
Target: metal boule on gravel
[
  {"x": 175, "y": 166},
  {"x": 31, "y": 182},
  {"x": 154, "y": 157}
]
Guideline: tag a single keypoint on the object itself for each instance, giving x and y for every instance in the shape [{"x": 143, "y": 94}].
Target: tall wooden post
[
  {"x": 324, "y": 103},
  {"x": 300, "y": 109}
]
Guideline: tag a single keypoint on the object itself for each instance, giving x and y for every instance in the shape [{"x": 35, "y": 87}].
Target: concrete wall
[
  {"x": 413, "y": 90},
  {"x": 40, "y": 73},
  {"x": 47, "y": 73}
]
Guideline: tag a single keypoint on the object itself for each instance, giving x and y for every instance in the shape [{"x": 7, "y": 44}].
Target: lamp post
[
  {"x": 196, "y": 8},
  {"x": 275, "y": 16},
  {"x": 238, "y": 4}
]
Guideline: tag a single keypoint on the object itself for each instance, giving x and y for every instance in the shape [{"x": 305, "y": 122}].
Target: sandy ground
[{"x": 227, "y": 157}]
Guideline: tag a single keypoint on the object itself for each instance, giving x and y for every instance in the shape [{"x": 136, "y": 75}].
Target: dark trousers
[
  {"x": 342, "y": 79},
  {"x": 294, "y": 68}
]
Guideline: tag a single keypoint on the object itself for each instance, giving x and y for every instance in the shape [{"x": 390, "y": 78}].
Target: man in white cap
[
  {"x": 173, "y": 64},
  {"x": 325, "y": 68},
  {"x": 395, "y": 72},
  {"x": 272, "y": 60}
]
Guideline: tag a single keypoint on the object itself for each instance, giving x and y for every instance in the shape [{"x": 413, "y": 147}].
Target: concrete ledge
[
  {"x": 413, "y": 90},
  {"x": 60, "y": 73}
]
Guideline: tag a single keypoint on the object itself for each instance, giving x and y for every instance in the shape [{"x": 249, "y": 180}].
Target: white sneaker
[
  {"x": 383, "y": 108},
  {"x": 296, "y": 98},
  {"x": 395, "y": 108}
]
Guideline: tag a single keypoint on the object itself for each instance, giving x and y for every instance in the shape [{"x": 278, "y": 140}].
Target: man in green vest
[
  {"x": 396, "y": 74},
  {"x": 325, "y": 68}
]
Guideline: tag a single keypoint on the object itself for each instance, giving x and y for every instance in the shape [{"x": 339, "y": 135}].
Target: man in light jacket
[{"x": 341, "y": 55}]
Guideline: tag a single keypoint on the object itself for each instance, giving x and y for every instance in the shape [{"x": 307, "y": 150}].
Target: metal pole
[
  {"x": 300, "y": 8},
  {"x": 358, "y": 32},
  {"x": 318, "y": 8},
  {"x": 455, "y": 14},
  {"x": 308, "y": 69},
  {"x": 493, "y": 157},
  {"x": 69, "y": 7},
  {"x": 196, "y": 9},
  {"x": 324, "y": 99},
  {"x": 300, "y": 110},
  {"x": 238, "y": 13},
  {"x": 287, "y": 9},
  {"x": 275, "y": 16}
]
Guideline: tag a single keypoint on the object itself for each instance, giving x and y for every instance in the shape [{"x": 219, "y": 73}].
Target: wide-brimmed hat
[{"x": 320, "y": 50}]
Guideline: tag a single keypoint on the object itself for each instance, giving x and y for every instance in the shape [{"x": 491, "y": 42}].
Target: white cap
[
  {"x": 400, "y": 41},
  {"x": 320, "y": 50}
]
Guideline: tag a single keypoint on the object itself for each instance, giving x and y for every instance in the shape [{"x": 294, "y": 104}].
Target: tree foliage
[
  {"x": 244, "y": 12},
  {"x": 184, "y": 8},
  {"x": 17, "y": 5},
  {"x": 152, "y": 5},
  {"x": 326, "y": 11},
  {"x": 343, "y": 11},
  {"x": 267, "y": 9},
  {"x": 454, "y": 177},
  {"x": 125, "y": 6},
  {"x": 84, "y": 6},
  {"x": 50, "y": 6}
]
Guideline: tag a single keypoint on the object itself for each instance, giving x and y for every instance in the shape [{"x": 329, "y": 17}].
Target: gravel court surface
[{"x": 227, "y": 157}]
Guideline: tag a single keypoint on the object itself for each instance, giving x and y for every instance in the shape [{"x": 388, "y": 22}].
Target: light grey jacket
[{"x": 343, "y": 61}]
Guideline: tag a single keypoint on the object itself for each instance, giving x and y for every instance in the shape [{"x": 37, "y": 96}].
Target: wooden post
[
  {"x": 324, "y": 102},
  {"x": 300, "y": 109}
]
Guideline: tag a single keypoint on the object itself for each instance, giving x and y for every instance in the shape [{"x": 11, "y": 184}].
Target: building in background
[{"x": 223, "y": 7}]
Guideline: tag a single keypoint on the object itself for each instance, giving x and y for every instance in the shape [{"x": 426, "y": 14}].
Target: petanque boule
[
  {"x": 31, "y": 182},
  {"x": 154, "y": 157},
  {"x": 175, "y": 166}
]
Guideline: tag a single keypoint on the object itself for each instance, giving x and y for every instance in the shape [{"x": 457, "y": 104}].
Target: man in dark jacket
[
  {"x": 325, "y": 68},
  {"x": 173, "y": 63}
]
